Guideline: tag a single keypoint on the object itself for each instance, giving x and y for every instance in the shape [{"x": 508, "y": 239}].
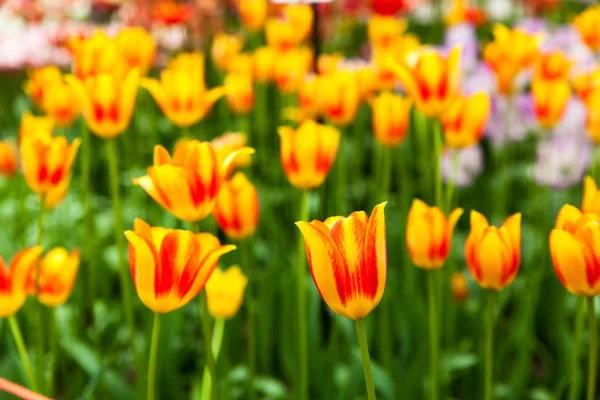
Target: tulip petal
[
  {"x": 513, "y": 227},
  {"x": 569, "y": 262},
  {"x": 494, "y": 259},
  {"x": 589, "y": 234},
  {"x": 590, "y": 193},
  {"x": 142, "y": 261},
  {"x": 567, "y": 218},
  {"x": 376, "y": 248},
  {"x": 161, "y": 156},
  {"x": 179, "y": 256},
  {"x": 229, "y": 161},
  {"x": 156, "y": 90}
]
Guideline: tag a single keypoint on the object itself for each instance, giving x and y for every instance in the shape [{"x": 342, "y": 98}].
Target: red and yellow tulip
[
  {"x": 263, "y": 64},
  {"x": 239, "y": 92},
  {"x": 32, "y": 125},
  {"x": 13, "y": 280},
  {"x": 590, "y": 203},
  {"x": 291, "y": 68},
  {"x": 237, "y": 208},
  {"x": 553, "y": 66},
  {"x": 588, "y": 25},
  {"x": 382, "y": 30},
  {"x": 224, "y": 48},
  {"x": 465, "y": 120},
  {"x": 137, "y": 48},
  {"x": 96, "y": 55},
  {"x": 550, "y": 99},
  {"x": 228, "y": 143},
  {"x": 253, "y": 13},
  {"x": 461, "y": 13},
  {"x": 62, "y": 104},
  {"x": 593, "y": 115},
  {"x": 390, "y": 114},
  {"x": 8, "y": 159},
  {"x": 281, "y": 35},
  {"x": 39, "y": 82},
  {"x": 339, "y": 97},
  {"x": 225, "y": 292},
  {"x": 585, "y": 84},
  {"x": 58, "y": 270}
]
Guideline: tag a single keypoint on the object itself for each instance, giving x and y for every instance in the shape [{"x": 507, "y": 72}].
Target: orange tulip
[
  {"x": 239, "y": 92},
  {"x": 459, "y": 287},
  {"x": 13, "y": 280},
  {"x": 553, "y": 66},
  {"x": 281, "y": 35},
  {"x": 550, "y": 99},
  {"x": 62, "y": 104},
  {"x": 461, "y": 13},
  {"x": 237, "y": 208},
  {"x": 433, "y": 82},
  {"x": 309, "y": 101},
  {"x": 58, "y": 270},
  {"x": 390, "y": 114},
  {"x": 382, "y": 30},
  {"x": 585, "y": 84},
  {"x": 465, "y": 120},
  {"x": 187, "y": 184},
  {"x": 137, "y": 48},
  {"x": 590, "y": 204},
  {"x": 593, "y": 116},
  {"x": 47, "y": 166},
  {"x": 253, "y": 13},
  {"x": 367, "y": 80},
  {"x": 339, "y": 97},
  {"x": 429, "y": 234},
  {"x": 290, "y": 69},
  {"x": 96, "y": 55},
  {"x": 8, "y": 159},
  {"x": 308, "y": 153},
  {"x": 32, "y": 125},
  {"x": 300, "y": 17},
  {"x": 263, "y": 64},
  {"x": 225, "y": 292},
  {"x": 224, "y": 48},
  {"x": 39, "y": 82},
  {"x": 402, "y": 50},
  {"x": 170, "y": 12},
  {"x": 588, "y": 25},
  {"x": 348, "y": 260},
  {"x": 170, "y": 267},
  {"x": 574, "y": 250},
  {"x": 228, "y": 143},
  {"x": 493, "y": 254}
]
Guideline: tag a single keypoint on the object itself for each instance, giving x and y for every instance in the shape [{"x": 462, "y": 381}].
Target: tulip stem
[
  {"x": 16, "y": 332},
  {"x": 489, "y": 349},
  {"x": 366, "y": 361},
  {"x": 88, "y": 303},
  {"x": 595, "y": 162},
  {"x": 38, "y": 304},
  {"x": 210, "y": 359},
  {"x": 591, "y": 389},
  {"x": 579, "y": 319},
  {"x": 301, "y": 280},
  {"x": 217, "y": 341},
  {"x": 245, "y": 250},
  {"x": 433, "y": 342},
  {"x": 53, "y": 338},
  {"x": 437, "y": 146},
  {"x": 153, "y": 353},
  {"x": 452, "y": 181}
]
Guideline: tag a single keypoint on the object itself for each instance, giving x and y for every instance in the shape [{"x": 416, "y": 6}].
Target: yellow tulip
[
  {"x": 391, "y": 114},
  {"x": 96, "y": 55},
  {"x": 137, "y": 48},
  {"x": 339, "y": 97},
  {"x": 465, "y": 119},
  {"x": 62, "y": 104},
  {"x": 13, "y": 280},
  {"x": 239, "y": 92},
  {"x": 39, "y": 83},
  {"x": 263, "y": 64},
  {"x": 32, "y": 125},
  {"x": 58, "y": 270},
  {"x": 253, "y": 13},
  {"x": 224, "y": 48},
  {"x": 237, "y": 208},
  {"x": 225, "y": 292},
  {"x": 590, "y": 204},
  {"x": 550, "y": 99}
]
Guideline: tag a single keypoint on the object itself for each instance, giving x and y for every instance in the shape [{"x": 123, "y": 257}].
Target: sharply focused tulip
[
  {"x": 32, "y": 125},
  {"x": 465, "y": 120},
  {"x": 383, "y": 30},
  {"x": 290, "y": 69},
  {"x": 339, "y": 97},
  {"x": 13, "y": 280},
  {"x": 225, "y": 292},
  {"x": 300, "y": 17},
  {"x": 96, "y": 55},
  {"x": 170, "y": 267},
  {"x": 588, "y": 25},
  {"x": 58, "y": 270},
  {"x": 224, "y": 47},
  {"x": 550, "y": 99},
  {"x": 553, "y": 66},
  {"x": 348, "y": 260},
  {"x": 431, "y": 80},
  {"x": 137, "y": 48},
  {"x": 39, "y": 82},
  {"x": 308, "y": 153},
  {"x": 391, "y": 114},
  {"x": 47, "y": 166},
  {"x": 493, "y": 254},
  {"x": 239, "y": 92},
  {"x": 263, "y": 64},
  {"x": 459, "y": 287},
  {"x": 590, "y": 203},
  {"x": 228, "y": 143},
  {"x": 62, "y": 104},
  {"x": 237, "y": 208},
  {"x": 187, "y": 184},
  {"x": 281, "y": 35},
  {"x": 429, "y": 234},
  {"x": 8, "y": 159},
  {"x": 253, "y": 13},
  {"x": 585, "y": 84}
]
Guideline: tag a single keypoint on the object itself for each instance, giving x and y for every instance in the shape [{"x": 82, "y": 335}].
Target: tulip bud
[
  {"x": 58, "y": 270},
  {"x": 459, "y": 287},
  {"x": 8, "y": 159},
  {"x": 237, "y": 208},
  {"x": 391, "y": 114}
]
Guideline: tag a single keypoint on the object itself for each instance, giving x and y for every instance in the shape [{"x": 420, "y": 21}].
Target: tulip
[
  {"x": 308, "y": 153},
  {"x": 461, "y": 13},
  {"x": 391, "y": 114},
  {"x": 429, "y": 234},
  {"x": 224, "y": 47},
  {"x": 590, "y": 204},
  {"x": 593, "y": 116},
  {"x": 433, "y": 81},
  {"x": 225, "y": 292},
  {"x": 13, "y": 279},
  {"x": 58, "y": 270},
  {"x": 367, "y": 80},
  {"x": 188, "y": 61},
  {"x": 97, "y": 55},
  {"x": 241, "y": 64},
  {"x": 550, "y": 99},
  {"x": 339, "y": 97},
  {"x": 39, "y": 82},
  {"x": 239, "y": 92},
  {"x": 47, "y": 166},
  {"x": 585, "y": 84},
  {"x": 253, "y": 13},
  {"x": 383, "y": 30},
  {"x": 281, "y": 35},
  {"x": 263, "y": 64},
  {"x": 309, "y": 101},
  {"x": 170, "y": 267},
  {"x": 228, "y": 143},
  {"x": 290, "y": 69},
  {"x": 553, "y": 66},
  {"x": 170, "y": 12},
  {"x": 588, "y": 25},
  {"x": 107, "y": 101},
  {"x": 348, "y": 260},
  {"x": 8, "y": 159},
  {"x": 187, "y": 184},
  {"x": 32, "y": 125},
  {"x": 493, "y": 254},
  {"x": 62, "y": 104},
  {"x": 237, "y": 207},
  {"x": 137, "y": 48},
  {"x": 328, "y": 63},
  {"x": 466, "y": 119},
  {"x": 459, "y": 287},
  {"x": 300, "y": 17}
]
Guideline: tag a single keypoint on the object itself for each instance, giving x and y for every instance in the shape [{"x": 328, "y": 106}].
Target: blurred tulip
[
  {"x": 493, "y": 254},
  {"x": 574, "y": 250},
  {"x": 585, "y": 84},
  {"x": 367, "y": 80},
  {"x": 137, "y": 47},
  {"x": 8, "y": 159},
  {"x": 253, "y": 13},
  {"x": 189, "y": 61},
  {"x": 461, "y": 13},
  {"x": 13, "y": 280},
  {"x": 348, "y": 260},
  {"x": 432, "y": 81},
  {"x": 590, "y": 204},
  {"x": 391, "y": 114},
  {"x": 228, "y": 143},
  {"x": 308, "y": 153},
  {"x": 47, "y": 163},
  {"x": 588, "y": 25},
  {"x": 328, "y": 63},
  {"x": 300, "y": 17},
  {"x": 593, "y": 116},
  {"x": 263, "y": 64},
  {"x": 553, "y": 66},
  {"x": 241, "y": 64},
  {"x": 225, "y": 292},
  {"x": 62, "y": 104},
  {"x": 465, "y": 120},
  {"x": 281, "y": 35},
  {"x": 58, "y": 270},
  {"x": 550, "y": 99},
  {"x": 429, "y": 234},
  {"x": 170, "y": 267},
  {"x": 391, "y": 7},
  {"x": 237, "y": 208},
  {"x": 309, "y": 101},
  {"x": 32, "y": 125},
  {"x": 459, "y": 287},
  {"x": 290, "y": 69},
  {"x": 96, "y": 55},
  {"x": 339, "y": 97},
  {"x": 170, "y": 12},
  {"x": 187, "y": 184},
  {"x": 239, "y": 92},
  {"x": 39, "y": 82},
  {"x": 383, "y": 30},
  {"x": 224, "y": 48}
]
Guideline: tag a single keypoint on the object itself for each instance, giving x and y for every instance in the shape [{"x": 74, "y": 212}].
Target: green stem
[
  {"x": 433, "y": 341},
  {"x": 245, "y": 250},
  {"x": 53, "y": 338},
  {"x": 451, "y": 183},
  {"x": 489, "y": 349},
  {"x": 210, "y": 359},
  {"x": 38, "y": 304},
  {"x": 88, "y": 233},
  {"x": 366, "y": 361},
  {"x": 16, "y": 332},
  {"x": 437, "y": 148},
  {"x": 300, "y": 280},
  {"x": 595, "y": 162},
  {"x": 217, "y": 341},
  {"x": 574, "y": 389},
  {"x": 153, "y": 353},
  {"x": 591, "y": 389},
  {"x": 341, "y": 189}
]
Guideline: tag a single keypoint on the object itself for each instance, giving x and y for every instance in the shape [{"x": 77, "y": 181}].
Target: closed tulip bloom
[
  {"x": 465, "y": 120},
  {"x": 493, "y": 254},
  {"x": 383, "y": 30},
  {"x": 237, "y": 208},
  {"x": 553, "y": 66},
  {"x": 253, "y": 13},
  {"x": 348, "y": 260},
  {"x": 137, "y": 48},
  {"x": 291, "y": 69},
  {"x": 224, "y": 47},
  {"x": 391, "y": 114},
  {"x": 58, "y": 270},
  {"x": 8, "y": 159},
  {"x": 308, "y": 153},
  {"x": 225, "y": 292},
  {"x": 239, "y": 92},
  {"x": 585, "y": 84},
  {"x": 431, "y": 80},
  {"x": 590, "y": 204},
  {"x": 47, "y": 163},
  {"x": 459, "y": 287},
  {"x": 39, "y": 82},
  {"x": 281, "y": 35},
  {"x": 13, "y": 280},
  {"x": 108, "y": 101},
  {"x": 32, "y": 125},
  {"x": 550, "y": 99},
  {"x": 263, "y": 64},
  {"x": 96, "y": 55},
  {"x": 588, "y": 25},
  {"x": 301, "y": 18},
  {"x": 62, "y": 104},
  {"x": 170, "y": 267},
  {"x": 228, "y": 143},
  {"x": 187, "y": 184},
  {"x": 339, "y": 97},
  {"x": 429, "y": 234}
]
